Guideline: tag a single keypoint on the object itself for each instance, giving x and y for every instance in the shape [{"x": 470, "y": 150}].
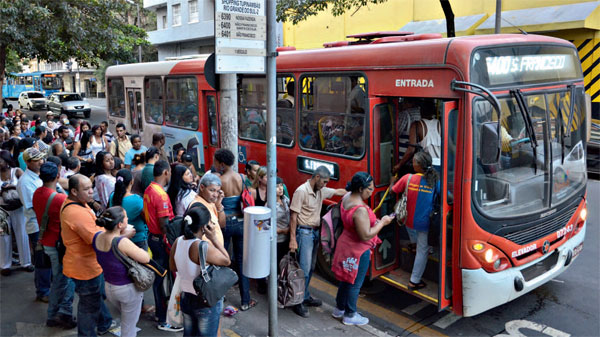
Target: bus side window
[
  {"x": 333, "y": 114},
  {"x": 211, "y": 107},
  {"x": 286, "y": 126},
  {"x": 116, "y": 94},
  {"x": 153, "y": 100},
  {"x": 252, "y": 108},
  {"x": 182, "y": 102}
]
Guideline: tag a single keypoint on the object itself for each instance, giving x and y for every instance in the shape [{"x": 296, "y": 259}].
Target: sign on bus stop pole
[{"x": 241, "y": 48}]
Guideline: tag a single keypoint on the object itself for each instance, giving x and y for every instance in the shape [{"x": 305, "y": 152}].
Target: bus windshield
[
  {"x": 51, "y": 82},
  {"x": 542, "y": 161}
]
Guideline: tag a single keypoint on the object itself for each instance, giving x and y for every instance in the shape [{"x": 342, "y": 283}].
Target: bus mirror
[{"x": 489, "y": 146}]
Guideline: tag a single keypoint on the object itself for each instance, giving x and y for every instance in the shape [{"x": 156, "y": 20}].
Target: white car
[{"x": 32, "y": 100}]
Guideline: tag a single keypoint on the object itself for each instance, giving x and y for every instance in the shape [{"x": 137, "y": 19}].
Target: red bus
[{"x": 514, "y": 124}]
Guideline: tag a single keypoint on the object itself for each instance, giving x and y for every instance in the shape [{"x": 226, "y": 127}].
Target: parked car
[
  {"x": 32, "y": 100},
  {"x": 69, "y": 103}
]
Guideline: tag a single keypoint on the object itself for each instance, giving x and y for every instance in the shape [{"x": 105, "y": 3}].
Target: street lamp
[{"x": 137, "y": 8}]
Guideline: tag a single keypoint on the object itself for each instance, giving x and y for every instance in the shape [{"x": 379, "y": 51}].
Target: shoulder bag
[
  {"x": 400, "y": 208},
  {"x": 142, "y": 277},
  {"x": 213, "y": 281}
]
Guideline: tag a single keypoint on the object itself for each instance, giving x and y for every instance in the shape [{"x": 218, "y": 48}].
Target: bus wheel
[{"x": 324, "y": 265}]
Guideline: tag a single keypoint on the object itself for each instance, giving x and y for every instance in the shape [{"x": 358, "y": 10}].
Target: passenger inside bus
[{"x": 357, "y": 98}]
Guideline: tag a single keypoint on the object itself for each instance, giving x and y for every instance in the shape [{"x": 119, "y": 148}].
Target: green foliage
[
  {"x": 295, "y": 11},
  {"x": 13, "y": 62}
]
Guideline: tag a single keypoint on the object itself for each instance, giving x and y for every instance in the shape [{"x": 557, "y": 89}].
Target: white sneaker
[
  {"x": 337, "y": 313},
  {"x": 169, "y": 327},
  {"x": 356, "y": 319}
]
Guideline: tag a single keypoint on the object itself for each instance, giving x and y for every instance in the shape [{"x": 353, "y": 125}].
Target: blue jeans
[
  {"x": 420, "y": 237},
  {"x": 62, "y": 290},
  {"x": 308, "y": 244},
  {"x": 41, "y": 276},
  {"x": 234, "y": 230},
  {"x": 347, "y": 294},
  {"x": 199, "y": 320},
  {"x": 91, "y": 310},
  {"x": 159, "y": 254}
]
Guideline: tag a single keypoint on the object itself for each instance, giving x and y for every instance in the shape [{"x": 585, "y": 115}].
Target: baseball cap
[
  {"x": 50, "y": 113},
  {"x": 32, "y": 154}
]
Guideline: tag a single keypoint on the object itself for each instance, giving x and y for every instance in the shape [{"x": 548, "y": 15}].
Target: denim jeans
[
  {"x": 420, "y": 237},
  {"x": 129, "y": 302},
  {"x": 308, "y": 244},
  {"x": 41, "y": 276},
  {"x": 347, "y": 294},
  {"x": 199, "y": 320},
  {"x": 159, "y": 254},
  {"x": 234, "y": 230},
  {"x": 91, "y": 310},
  {"x": 62, "y": 290}
]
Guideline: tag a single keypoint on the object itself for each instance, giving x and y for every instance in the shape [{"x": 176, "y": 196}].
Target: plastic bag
[{"x": 174, "y": 313}]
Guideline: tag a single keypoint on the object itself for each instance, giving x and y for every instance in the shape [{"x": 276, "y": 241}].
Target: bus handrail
[{"x": 490, "y": 97}]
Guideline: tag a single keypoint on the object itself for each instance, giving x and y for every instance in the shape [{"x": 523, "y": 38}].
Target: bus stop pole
[{"x": 272, "y": 159}]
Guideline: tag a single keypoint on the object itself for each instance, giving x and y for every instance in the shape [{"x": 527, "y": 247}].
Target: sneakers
[
  {"x": 29, "y": 268},
  {"x": 6, "y": 272},
  {"x": 356, "y": 319},
  {"x": 44, "y": 299},
  {"x": 301, "y": 310},
  {"x": 64, "y": 321},
  {"x": 113, "y": 324},
  {"x": 312, "y": 302},
  {"x": 168, "y": 327},
  {"x": 337, "y": 313}
]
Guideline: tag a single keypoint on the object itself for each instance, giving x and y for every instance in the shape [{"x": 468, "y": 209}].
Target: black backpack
[{"x": 176, "y": 226}]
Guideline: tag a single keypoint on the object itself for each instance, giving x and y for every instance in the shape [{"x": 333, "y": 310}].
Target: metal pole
[
  {"x": 498, "y": 17},
  {"x": 272, "y": 159},
  {"x": 139, "y": 24}
]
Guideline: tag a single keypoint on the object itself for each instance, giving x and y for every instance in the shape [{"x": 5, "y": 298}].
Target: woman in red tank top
[{"x": 353, "y": 249}]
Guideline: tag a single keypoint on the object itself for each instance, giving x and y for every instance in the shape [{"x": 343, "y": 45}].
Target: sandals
[
  {"x": 148, "y": 309},
  {"x": 413, "y": 287},
  {"x": 249, "y": 305}
]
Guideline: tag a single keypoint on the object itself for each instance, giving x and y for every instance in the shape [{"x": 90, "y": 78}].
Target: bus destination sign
[
  {"x": 309, "y": 165},
  {"x": 240, "y": 36}
]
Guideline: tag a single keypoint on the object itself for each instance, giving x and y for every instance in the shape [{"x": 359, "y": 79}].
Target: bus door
[
  {"x": 213, "y": 132},
  {"x": 386, "y": 256},
  {"x": 449, "y": 118},
  {"x": 134, "y": 105}
]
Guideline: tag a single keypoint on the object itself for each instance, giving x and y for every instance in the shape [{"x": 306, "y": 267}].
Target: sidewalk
[{"x": 20, "y": 315}]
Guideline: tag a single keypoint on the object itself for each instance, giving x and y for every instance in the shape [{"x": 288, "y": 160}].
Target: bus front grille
[{"x": 541, "y": 229}]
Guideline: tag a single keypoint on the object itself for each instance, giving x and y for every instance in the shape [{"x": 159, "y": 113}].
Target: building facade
[
  {"x": 75, "y": 78},
  {"x": 184, "y": 27}
]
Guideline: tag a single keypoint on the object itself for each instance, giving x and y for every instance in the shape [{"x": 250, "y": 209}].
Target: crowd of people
[{"x": 73, "y": 193}]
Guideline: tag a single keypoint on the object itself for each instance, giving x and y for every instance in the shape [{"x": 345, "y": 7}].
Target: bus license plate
[{"x": 577, "y": 250}]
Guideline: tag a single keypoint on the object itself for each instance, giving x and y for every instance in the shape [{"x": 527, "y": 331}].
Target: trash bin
[{"x": 257, "y": 241}]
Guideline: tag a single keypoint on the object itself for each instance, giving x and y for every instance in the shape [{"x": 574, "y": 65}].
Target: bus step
[{"x": 399, "y": 278}]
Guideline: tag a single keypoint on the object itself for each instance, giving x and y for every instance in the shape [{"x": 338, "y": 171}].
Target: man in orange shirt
[
  {"x": 78, "y": 226},
  {"x": 157, "y": 213}
]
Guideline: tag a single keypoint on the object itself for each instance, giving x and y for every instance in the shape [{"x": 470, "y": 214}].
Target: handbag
[
  {"x": 4, "y": 222},
  {"x": 213, "y": 281},
  {"x": 400, "y": 208},
  {"x": 142, "y": 277},
  {"x": 246, "y": 196},
  {"x": 10, "y": 198}
]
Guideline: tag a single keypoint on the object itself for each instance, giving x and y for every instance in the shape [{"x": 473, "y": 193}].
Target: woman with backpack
[
  {"x": 423, "y": 187},
  {"x": 353, "y": 248}
]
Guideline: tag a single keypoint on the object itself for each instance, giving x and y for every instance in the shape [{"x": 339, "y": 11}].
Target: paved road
[{"x": 98, "y": 110}]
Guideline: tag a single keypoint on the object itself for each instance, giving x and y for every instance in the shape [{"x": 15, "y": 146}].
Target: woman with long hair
[
  {"x": 424, "y": 186},
  {"x": 180, "y": 189},
  {"x": 198, "y": 320},
  {"x": 83, "y": 127},
  {"x": 14, "y": 130},
  {"x": 104, "y": 181},
  {"x": 259, "y": 187},
  {"x": 133, "y": 205},
  {"x": 98, "y": 141},
  {"x": 82, "y": 150},
  {"x": 9, "y": 176},
  {"x": 138, "y": 163},
  {"x": 354, "y": 246},
  {"x": 119, "y": 287}
]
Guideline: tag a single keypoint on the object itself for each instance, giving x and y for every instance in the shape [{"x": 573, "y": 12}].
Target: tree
[
  {"x": 298, "y": 10},
  {"x": 58, "y": 30}
]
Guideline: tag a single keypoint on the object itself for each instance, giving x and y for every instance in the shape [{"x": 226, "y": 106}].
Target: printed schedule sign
[{"x": 240, "y": 36}]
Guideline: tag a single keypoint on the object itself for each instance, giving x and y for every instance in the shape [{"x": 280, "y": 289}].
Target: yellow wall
[{"x": 392, "y": 15}]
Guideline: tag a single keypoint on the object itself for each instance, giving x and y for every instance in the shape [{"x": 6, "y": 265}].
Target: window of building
[
  {"x": 153, "y": 100},
  {"x": 182, "y": 102},
  {"x": 164, "y": 22},
  {"x": 333, "y": 114},
  {"x": 193, "y": 10},
  {"x": 176, "y": 15},
  {"x": 116, "y": 97}
]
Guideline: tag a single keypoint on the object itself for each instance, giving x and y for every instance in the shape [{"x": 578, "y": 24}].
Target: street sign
[{"x": 240, "y": 36}]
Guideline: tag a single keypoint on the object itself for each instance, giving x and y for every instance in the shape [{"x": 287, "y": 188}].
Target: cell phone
[{"x": 393, "y": 215}]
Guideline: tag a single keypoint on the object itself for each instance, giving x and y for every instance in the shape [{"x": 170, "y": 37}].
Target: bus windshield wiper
[{"x": 518, "y": 95}]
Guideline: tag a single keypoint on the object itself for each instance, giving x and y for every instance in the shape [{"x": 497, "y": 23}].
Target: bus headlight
[{"x": 491, "y": 258}]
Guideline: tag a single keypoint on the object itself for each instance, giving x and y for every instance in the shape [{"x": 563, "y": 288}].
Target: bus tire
[{"x": 324, "y": 266}]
